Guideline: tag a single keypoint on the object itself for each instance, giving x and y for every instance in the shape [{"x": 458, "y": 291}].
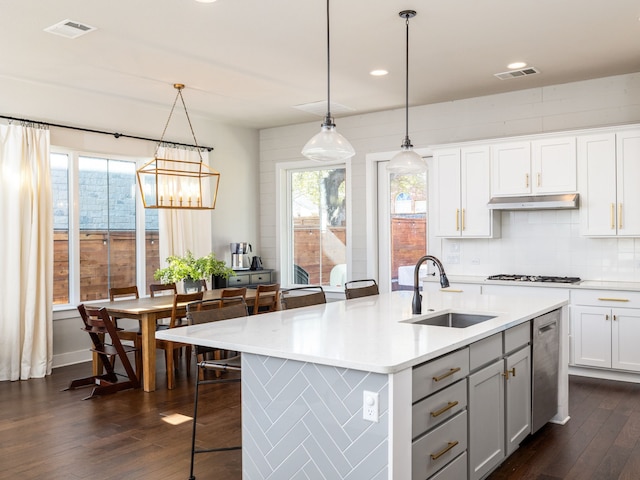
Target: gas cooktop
[{"x": 534, "y": 278}]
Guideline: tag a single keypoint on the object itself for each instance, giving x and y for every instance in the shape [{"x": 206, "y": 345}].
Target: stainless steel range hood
[{"x": 535, "y": 202}]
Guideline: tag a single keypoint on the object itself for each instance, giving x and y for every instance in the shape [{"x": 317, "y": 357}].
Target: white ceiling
[{"x": 249, "y": 62}]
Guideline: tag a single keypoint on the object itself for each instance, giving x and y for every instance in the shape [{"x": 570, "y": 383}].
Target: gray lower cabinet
[
  {"x": 500, "y": 403},
  {"x": 472, "y": 407}
]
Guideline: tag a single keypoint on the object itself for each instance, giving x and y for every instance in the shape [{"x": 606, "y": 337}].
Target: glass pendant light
[
  {"x": 328, "y": 145},
  {"x": 407, "y": 161}
]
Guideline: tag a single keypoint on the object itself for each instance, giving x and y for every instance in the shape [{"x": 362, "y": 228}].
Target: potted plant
[{"x": 191, "y": 270}]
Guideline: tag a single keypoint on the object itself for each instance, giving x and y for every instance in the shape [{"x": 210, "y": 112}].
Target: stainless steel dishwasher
[{"x": 546, "y": 351}]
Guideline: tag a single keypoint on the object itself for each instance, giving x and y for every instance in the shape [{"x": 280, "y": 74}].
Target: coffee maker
[{"x": 240, "y": 258}]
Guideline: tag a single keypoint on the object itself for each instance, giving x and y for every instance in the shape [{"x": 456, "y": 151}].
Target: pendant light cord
[
  {"x": 328, "y": 121},
  {"x": 407, "y": 142}
]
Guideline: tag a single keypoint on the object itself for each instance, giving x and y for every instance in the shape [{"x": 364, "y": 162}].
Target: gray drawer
[
  {"x": 264, "y": 277},
  {"x": 238, "y": 280},
  {"x": 517, "y": 336},
  {"x": 456, "y": 470},
  {"x": 485, "y": 351},
  {"x": 439, "y": 407},
  {"x": 437, "y": 448},
  {"x": 437, "y": 374}
]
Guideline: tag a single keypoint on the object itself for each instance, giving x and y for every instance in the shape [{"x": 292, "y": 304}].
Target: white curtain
[
  {"x": 182, "y": 230},
  {"x": 26, "y": 253}
]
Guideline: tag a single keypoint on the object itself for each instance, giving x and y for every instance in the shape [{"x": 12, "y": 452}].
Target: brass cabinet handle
[
  {"x": 463, "y": 219},
  {"x": 452, "y": 290},
  {"x": 538, "y": 178},
  {"x": 606, "y": 317},
  {"x": 448, "y": 406},
  {"x": 450, "y": 445},
  {"x": 526, "y": 180},
  {"x": 614, "y": 318},
  {"x": 610, "y": 299},
  {"x": 612, "y": 217},
  {"x": 619, "y": 215},
  {"x": 448, "y": 374},
  {"x": 457, "y": 219},
  {"x": 512, "y": 372}
]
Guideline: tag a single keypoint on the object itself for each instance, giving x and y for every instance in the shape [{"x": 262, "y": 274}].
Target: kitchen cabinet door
[
  {"x": 627, "y": 179},
  {"x": 486, "y": 420},
  {"x": 518, "y": 398},
  {"x": 591, "y": 336},
  {"x": 447, "y": 186},
  {"x": 554, "y": 165},
  {"x": 625, "y": 332},
  {"x": 511, "y": 169},
  {"x": 461, "y": 181},
  {"x": 476, "y": 219}
]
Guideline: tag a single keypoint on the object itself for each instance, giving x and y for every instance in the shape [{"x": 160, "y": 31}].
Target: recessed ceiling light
[
  {"x": 517, "y": 65},
  {"x": 378, "y": 73}
]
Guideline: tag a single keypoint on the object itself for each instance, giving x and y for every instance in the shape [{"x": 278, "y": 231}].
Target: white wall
[{"x": 536, "y": 242}]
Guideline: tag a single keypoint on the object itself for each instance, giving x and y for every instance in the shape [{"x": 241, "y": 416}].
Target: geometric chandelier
[{"x": 178, "y": 184}]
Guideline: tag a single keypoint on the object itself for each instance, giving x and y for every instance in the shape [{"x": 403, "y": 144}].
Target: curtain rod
[{"x": 116, "y": 135}]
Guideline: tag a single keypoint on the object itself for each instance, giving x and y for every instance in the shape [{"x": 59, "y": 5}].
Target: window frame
[
  {"x": 74, "y": 223},
  {"x": 284, "y": 230}
]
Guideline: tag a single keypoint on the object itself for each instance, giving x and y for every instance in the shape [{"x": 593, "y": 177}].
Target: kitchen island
[{"x": 305, "y": 373}]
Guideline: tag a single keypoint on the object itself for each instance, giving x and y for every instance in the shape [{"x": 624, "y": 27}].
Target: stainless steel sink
[{"x": 453, "y": 319}]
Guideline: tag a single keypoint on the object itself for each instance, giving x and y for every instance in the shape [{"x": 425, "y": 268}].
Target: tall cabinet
[
  {"x": 461, "y": 178},
  {"x": 609, "y": 169}
]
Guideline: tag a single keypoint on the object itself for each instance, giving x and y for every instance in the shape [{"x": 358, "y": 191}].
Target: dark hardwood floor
[
  {"x": 46, "y": 433},
  {"x": 49, "y": 434}
]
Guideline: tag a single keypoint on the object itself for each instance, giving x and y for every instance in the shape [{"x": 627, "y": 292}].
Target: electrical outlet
[{"x": 370, "y": 406}]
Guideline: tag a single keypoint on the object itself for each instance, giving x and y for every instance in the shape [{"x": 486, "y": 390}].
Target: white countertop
[
  {"x": 584, "y": 284},
  {"x": 368, "y": 333}
]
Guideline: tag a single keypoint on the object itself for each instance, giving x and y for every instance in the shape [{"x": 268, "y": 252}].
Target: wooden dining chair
[
  {"x": 360, "y": 288},
  {"x": 156, "y": 289},
  {"x": 231, "y": 364},
  {"x": 267, "y": 298},
  {"x": 172, "y": 349},
  {"x": 98, "y": 324},
  {"x": 130, "y": 334},
  {"x": 230, "y": 296},
  {"x": 302, "y": 297}
]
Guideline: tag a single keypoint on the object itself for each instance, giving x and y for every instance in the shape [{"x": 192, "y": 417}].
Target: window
[
  {"x": 316, "y": 226},
  {"x": 103, "y": 245}
]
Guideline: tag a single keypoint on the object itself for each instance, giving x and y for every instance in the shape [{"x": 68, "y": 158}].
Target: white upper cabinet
[
  {"x": 511, "y": 169},
  {"x": 461, "y": 181},
  {"x": 609, "y": 166},
  {"x": 554, "y": 163},
  {"x": 541, "y": 166}
]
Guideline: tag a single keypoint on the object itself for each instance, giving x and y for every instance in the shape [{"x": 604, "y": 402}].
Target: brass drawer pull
[
  {"x": 607, "y": 299},
  {"x": 448, "y": 406},
  {"x": 512, "y": 372},
  {"x": 445, "y": 375},
  {"x": 454, "y": 290},
  {"x": 450, "y": 445}
]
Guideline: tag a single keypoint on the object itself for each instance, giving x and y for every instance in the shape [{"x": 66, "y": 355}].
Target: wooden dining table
[{"x": 147, "y": 310}]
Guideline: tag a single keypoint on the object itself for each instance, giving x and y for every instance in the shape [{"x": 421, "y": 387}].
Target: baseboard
[
  {"x": 71, "y": 358},
  {"x": 605, "y": 374}
]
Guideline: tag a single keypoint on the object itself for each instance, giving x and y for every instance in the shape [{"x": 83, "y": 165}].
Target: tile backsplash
[{"x": 543, "y": 242}]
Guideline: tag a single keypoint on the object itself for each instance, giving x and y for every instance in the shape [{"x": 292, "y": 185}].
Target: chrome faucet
[{"x": 416, "y": 304}]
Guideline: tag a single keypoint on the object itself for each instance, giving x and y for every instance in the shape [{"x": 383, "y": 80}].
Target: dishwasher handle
[{"x": 547, "y": 327}]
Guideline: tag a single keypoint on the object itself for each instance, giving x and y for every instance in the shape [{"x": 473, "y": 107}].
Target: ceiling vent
[
  {"x": 69, "y": 29},
  {"x": 523, "y": 72},
  {"x": 320, "y": 108}
]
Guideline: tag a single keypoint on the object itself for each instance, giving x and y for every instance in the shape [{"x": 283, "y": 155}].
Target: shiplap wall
[{"x": 600, "y": 102}]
